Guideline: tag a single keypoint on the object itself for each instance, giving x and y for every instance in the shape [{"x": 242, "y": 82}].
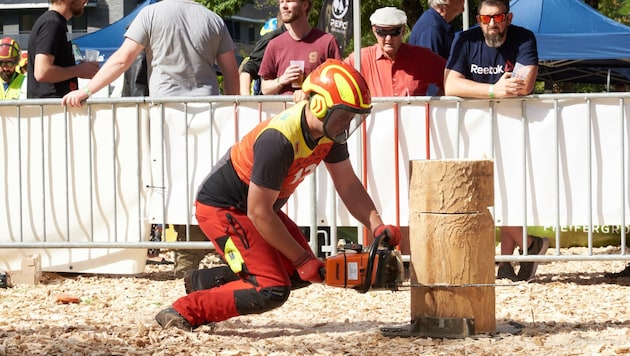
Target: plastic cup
[
  {"x": 520, "y": 71},
  {"x": 296, "y": 84},
  {"x": 91, "y": 55}
]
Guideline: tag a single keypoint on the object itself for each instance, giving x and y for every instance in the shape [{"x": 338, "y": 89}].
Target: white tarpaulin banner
[{"x": 74, "y": 178}]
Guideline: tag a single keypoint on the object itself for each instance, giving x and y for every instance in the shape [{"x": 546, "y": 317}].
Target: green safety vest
[{"x": 14, "y": 89}]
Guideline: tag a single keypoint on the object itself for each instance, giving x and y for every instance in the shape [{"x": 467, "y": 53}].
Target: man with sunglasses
[
  {"x": 12, "y": 79},
  {"x": 483, "y": 58},
  {"x": 394, "y": 68},
  {"x": 497, "y": 60}
]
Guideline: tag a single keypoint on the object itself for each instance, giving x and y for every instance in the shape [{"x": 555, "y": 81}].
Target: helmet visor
[{"x": 340, "y": 123}]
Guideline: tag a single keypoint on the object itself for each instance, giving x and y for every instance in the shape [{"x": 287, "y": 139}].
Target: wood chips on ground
[{"x": 569, "y": 309}]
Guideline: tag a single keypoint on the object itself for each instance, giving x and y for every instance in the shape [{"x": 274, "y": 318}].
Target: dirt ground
[{"x": 571, "y": 308}]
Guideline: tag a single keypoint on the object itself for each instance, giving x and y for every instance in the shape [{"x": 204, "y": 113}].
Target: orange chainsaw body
[
  {"x": 347, "y": 269},
  {"x": 380, "y": 267}
]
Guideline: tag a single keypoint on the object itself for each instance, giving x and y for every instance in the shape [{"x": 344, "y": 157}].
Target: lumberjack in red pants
[{"x": 239, "y": 202}]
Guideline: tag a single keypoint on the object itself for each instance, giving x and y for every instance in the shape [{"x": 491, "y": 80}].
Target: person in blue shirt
[
  {"x": 497, "y": 60},
  {"x": 483, "y": 59},
  {"x": 433, "y": 29}
]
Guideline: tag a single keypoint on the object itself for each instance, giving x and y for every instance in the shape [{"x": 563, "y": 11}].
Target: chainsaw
[{"x": 378, "y": 267}]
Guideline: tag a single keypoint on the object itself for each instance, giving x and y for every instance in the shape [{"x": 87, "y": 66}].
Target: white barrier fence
[{"x": 82, "y": 186}]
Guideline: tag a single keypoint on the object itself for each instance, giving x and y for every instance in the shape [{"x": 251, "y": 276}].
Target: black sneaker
[
  {"x": 169, "y": 317},
  {"x": 624, "y": 273},
  {"x": 539, "y": 246},
  {"x": 506, "y": 271}
]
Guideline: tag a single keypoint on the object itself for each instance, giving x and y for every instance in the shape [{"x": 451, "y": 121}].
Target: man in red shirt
[{"x": 394, "y": 68}]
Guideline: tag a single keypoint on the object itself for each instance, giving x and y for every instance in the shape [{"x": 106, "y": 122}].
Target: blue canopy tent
[
  {"x": 108, "y": 39},
  {"x": 575, "y": 42}
]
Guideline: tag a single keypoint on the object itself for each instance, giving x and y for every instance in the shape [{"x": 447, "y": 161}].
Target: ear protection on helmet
[{"x": 318, "y": 106}]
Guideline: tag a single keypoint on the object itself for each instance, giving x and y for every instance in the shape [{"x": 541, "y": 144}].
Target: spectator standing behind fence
[
  {"x": 484, "y": 63},
  {"x": 301, "y": 42},
  {"x": 433, "y": 29},
  {"x": 182, "y": 40},
  {"x": 52, "y": 70},
  {"x": 250, "y": 66},
  {"x": 13, "y": 84},
  {"x": 239, "y": 203},
  {"x": 394, "y": 68}
]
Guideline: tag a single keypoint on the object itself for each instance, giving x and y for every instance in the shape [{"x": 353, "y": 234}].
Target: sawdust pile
[{"x": 570, "y": 309}]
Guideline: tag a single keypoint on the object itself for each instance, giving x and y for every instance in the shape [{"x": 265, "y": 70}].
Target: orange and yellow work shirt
[
  {"x": 409, "y": 74},
  {"x": 277, "y": 154}
]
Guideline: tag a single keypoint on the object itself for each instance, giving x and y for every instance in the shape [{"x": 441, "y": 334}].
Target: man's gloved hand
[
  {"x": 309, "y": 267},
  {"x": 391, "y": 230}
]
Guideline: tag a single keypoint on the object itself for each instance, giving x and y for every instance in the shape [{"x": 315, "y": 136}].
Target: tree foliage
[{"x": 224, "y": 8}]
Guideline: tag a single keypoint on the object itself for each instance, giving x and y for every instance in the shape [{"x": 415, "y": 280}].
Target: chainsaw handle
[{"x": 382, "y": 238}]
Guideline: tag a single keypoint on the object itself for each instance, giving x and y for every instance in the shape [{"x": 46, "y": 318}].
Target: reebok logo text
[{"x": 498, "y": 69}]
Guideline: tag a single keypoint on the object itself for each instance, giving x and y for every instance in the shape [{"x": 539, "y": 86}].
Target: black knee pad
[
  {"x": 252, "y": 301},
  {"x": 207, "y": 278}
]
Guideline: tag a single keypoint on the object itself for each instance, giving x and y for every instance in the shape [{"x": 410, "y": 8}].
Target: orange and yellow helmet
[
  {"x": 336, "y": 85},
  {"x": 9, "y": 49}
]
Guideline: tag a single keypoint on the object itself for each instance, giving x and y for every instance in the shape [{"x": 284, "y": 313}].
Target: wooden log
[{"x": 452, "y": 250}]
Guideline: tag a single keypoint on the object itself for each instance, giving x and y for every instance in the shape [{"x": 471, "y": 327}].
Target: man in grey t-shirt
[{"x": 182, "y": 40}]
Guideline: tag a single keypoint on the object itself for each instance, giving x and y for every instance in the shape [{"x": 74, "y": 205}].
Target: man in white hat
[{"x": 394, "y": 68}]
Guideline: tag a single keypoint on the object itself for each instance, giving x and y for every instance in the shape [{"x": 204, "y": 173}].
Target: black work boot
[{"x": 169, "y": 317}]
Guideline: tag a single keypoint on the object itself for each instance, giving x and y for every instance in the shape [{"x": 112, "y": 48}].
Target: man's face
[
  {"x": 494, "y": 22},
  {"x": 7, "y": 68},
  {"x": 389, "y": 38},
  {"x": 291, "y": 10},
  {"x": 76, "y": 7}
]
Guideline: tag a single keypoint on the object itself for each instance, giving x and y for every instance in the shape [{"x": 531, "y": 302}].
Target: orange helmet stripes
[
  {"x": 9, "y": 49},
  {"x": 335, "y": 84}
]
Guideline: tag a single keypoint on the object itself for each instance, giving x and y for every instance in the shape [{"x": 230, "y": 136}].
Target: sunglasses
[
  {"x": 384, "y": 33},
  {"x": 485, "y": 19},
  {"x": 7, "y": 64}
]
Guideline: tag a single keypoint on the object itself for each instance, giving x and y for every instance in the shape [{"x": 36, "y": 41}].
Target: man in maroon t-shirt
[{"x": 301, "y": 42}]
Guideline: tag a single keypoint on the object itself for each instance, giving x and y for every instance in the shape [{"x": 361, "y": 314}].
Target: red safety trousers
[{"x": 264, "y": 272}]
